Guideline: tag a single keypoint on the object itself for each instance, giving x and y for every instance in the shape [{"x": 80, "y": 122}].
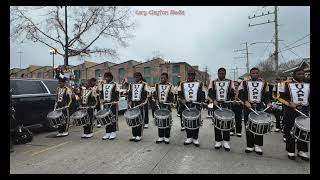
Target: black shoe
[
  {"x": 182, "y": 129},
  {"x": 158, "y": 142},
  {"x": 167, "y": 142},
  {"x": 227, "y": 149},
  {"x": 249, "y": 151},
  {"x": 111, "y": 138},
  {"x": 132, "y": 139},
  {"x": 217, "y": 147},
  {"x": 197, "y": 145},
  {"x": 137, "y": 140},
  {"x": 186, "y": 143},
  {"x": 303, "y": 158},
  {"x": 259, "y": 153},
  {"x": 291, "y": 157}
]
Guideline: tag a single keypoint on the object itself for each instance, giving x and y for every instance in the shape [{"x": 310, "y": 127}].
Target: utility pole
[
  {"x": 20, "y": 52},
  {"x": 247, "y": 57},
  {"x": 246, "y": 53},
  {"x": 66, "y": 46},
  {"x": 276, "y": 51},
  {"x": 205, "y": 76}
]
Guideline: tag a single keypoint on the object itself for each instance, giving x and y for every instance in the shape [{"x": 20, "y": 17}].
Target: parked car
[{"x": 33, "y": 99}]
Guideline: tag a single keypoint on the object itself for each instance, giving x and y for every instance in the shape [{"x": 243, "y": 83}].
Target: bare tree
[{"x": 86, "y": 25}]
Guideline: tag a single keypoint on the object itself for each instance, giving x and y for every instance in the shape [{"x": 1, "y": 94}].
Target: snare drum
[
  {"x": 224, "y": 119},
  {"x": 301, "y": 128},
  {"x": 56, "y": 118},
  {"x": 192, "y": 118},
  {"x": 259, "y": 124},
  {"x": 80, "y": 117},
  {"x": 162, "y": 118},
  {"x": 105, "y": 117},
  {"x": 133, "y": 117}
]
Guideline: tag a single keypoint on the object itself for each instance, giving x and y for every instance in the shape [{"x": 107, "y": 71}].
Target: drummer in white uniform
[
  {"x": 191, "y": 91},
  {"x": 297, "y": 92},
  {"x": 164, "y": 94},
  {"x": 137, "y": 95},
  {"x": 109, "y": 93},
  {"x": 221, "y": 90},
  {"x": 254, "y": 94}
]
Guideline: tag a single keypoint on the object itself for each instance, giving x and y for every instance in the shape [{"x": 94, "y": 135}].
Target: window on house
[
  {"x": 176, "y": 69},
  {"x": 175, "y": 80},
  {"x": 156, "y": 79},
  {"x": 147, "y": 71},
  {"x": 121, "y": 72},
  {"x": 148, "y": 80},
  {"x": 97, "y": 73}
]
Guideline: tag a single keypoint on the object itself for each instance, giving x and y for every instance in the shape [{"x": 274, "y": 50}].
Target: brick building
[
  {"x": 123, "y": 71},
  {"x": 99, "y": 69}
]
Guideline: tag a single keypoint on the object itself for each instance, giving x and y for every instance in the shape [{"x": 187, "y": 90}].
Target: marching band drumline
[{"x": 227, "y": 99}]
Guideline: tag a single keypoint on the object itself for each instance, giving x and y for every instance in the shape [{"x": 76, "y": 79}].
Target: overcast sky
[{"x": 204, "y": 36}]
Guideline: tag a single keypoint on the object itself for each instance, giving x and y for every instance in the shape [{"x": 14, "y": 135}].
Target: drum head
[
  {"x": 162, "y": 113},
  {"x": 103, "y": 113},
  {"x": 210, "y": 105},
  {"x": 54, "y": 114},
  {"x": 79, "y": 114},
  {"x": 192, "y": 114},
  {"x": 132, "y": 113},
  {"x": 225, "y": 114},
  {"x": 303, "y": 122},
  {"x": 263, "y": 117}
]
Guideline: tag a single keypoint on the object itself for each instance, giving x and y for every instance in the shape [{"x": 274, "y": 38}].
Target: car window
[
  {"x": 27, "y": 87},
  {"x": 52, "y": 86}
]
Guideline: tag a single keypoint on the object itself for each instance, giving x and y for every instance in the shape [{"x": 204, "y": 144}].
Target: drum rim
[
  {"x": 135, "y": 116},
  {"x": 299, "y": 125},
  {"x": 108, "y": 111},
  {"x": 191, "y": 118},
  {"x": 58, "y": 112},
  {"x": 226, "y": 119},
  {"x": 85, "y": 113},
  {"x": 252, "y": 120},
  {"x": 162, "y": 117}
]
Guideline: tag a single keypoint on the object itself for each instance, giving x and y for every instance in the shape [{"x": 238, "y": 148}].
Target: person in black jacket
[
  {"x": 191, "y": 91},
  {"x": 109, "y": 93},
  {"x": 221, "y": 90},
  {"x": 164, "y": 94},
  {"x": 137, "y": 94},
  {"x": 297, "y": 93},
  {"x": 254, "y": 94}
]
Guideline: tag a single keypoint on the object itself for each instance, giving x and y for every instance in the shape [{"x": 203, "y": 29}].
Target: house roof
[
  {"x": 125, "y": 62},
  {"x": 112, "y": 64},
  {"x": 160, "y": 59},
  {"x": 304, "y": 61}
]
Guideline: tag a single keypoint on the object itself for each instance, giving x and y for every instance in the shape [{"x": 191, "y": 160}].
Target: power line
[
  {"x": 291, "y": 51},
  {"x": 294, "y": 46},
  {"x": 297, "y": 40}
]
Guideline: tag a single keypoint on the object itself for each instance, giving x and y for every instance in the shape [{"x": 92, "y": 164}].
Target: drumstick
[
  {"x": 219, "y": 107},
  {"x": 254, "y": 111},
  {"x": 302, "y": 113},
  {"x": 266, "y": 108},
  {"x": 186, "y": 107}
]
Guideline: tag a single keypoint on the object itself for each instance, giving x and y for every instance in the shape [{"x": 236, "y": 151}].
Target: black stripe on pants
[
  {"x": 146, "y": 113},
  {"x": 64, "y": 127},
  {"x": 237, "y": 109},
  {"x": 113, "y": 126},
  {"x": 221, "y": 135},
  {"x": 136, "y": 131},
  {"x": 88, "y": 128},
  {"x": 164, "y": 132},
  {"x": 181, "y": 121},
  {"x": 289, "y": 118},
  {"x": 192, "y": 133},
  {"x": 251, "y": 138}
]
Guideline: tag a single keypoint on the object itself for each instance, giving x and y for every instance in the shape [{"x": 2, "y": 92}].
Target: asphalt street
[{"x": 73, "y": 155}]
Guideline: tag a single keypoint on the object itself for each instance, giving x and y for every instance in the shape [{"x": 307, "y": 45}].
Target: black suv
[{"x": 33, "y": 99}]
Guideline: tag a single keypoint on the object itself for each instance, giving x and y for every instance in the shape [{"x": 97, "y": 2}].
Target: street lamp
[{"x": 53, "y": 51}]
